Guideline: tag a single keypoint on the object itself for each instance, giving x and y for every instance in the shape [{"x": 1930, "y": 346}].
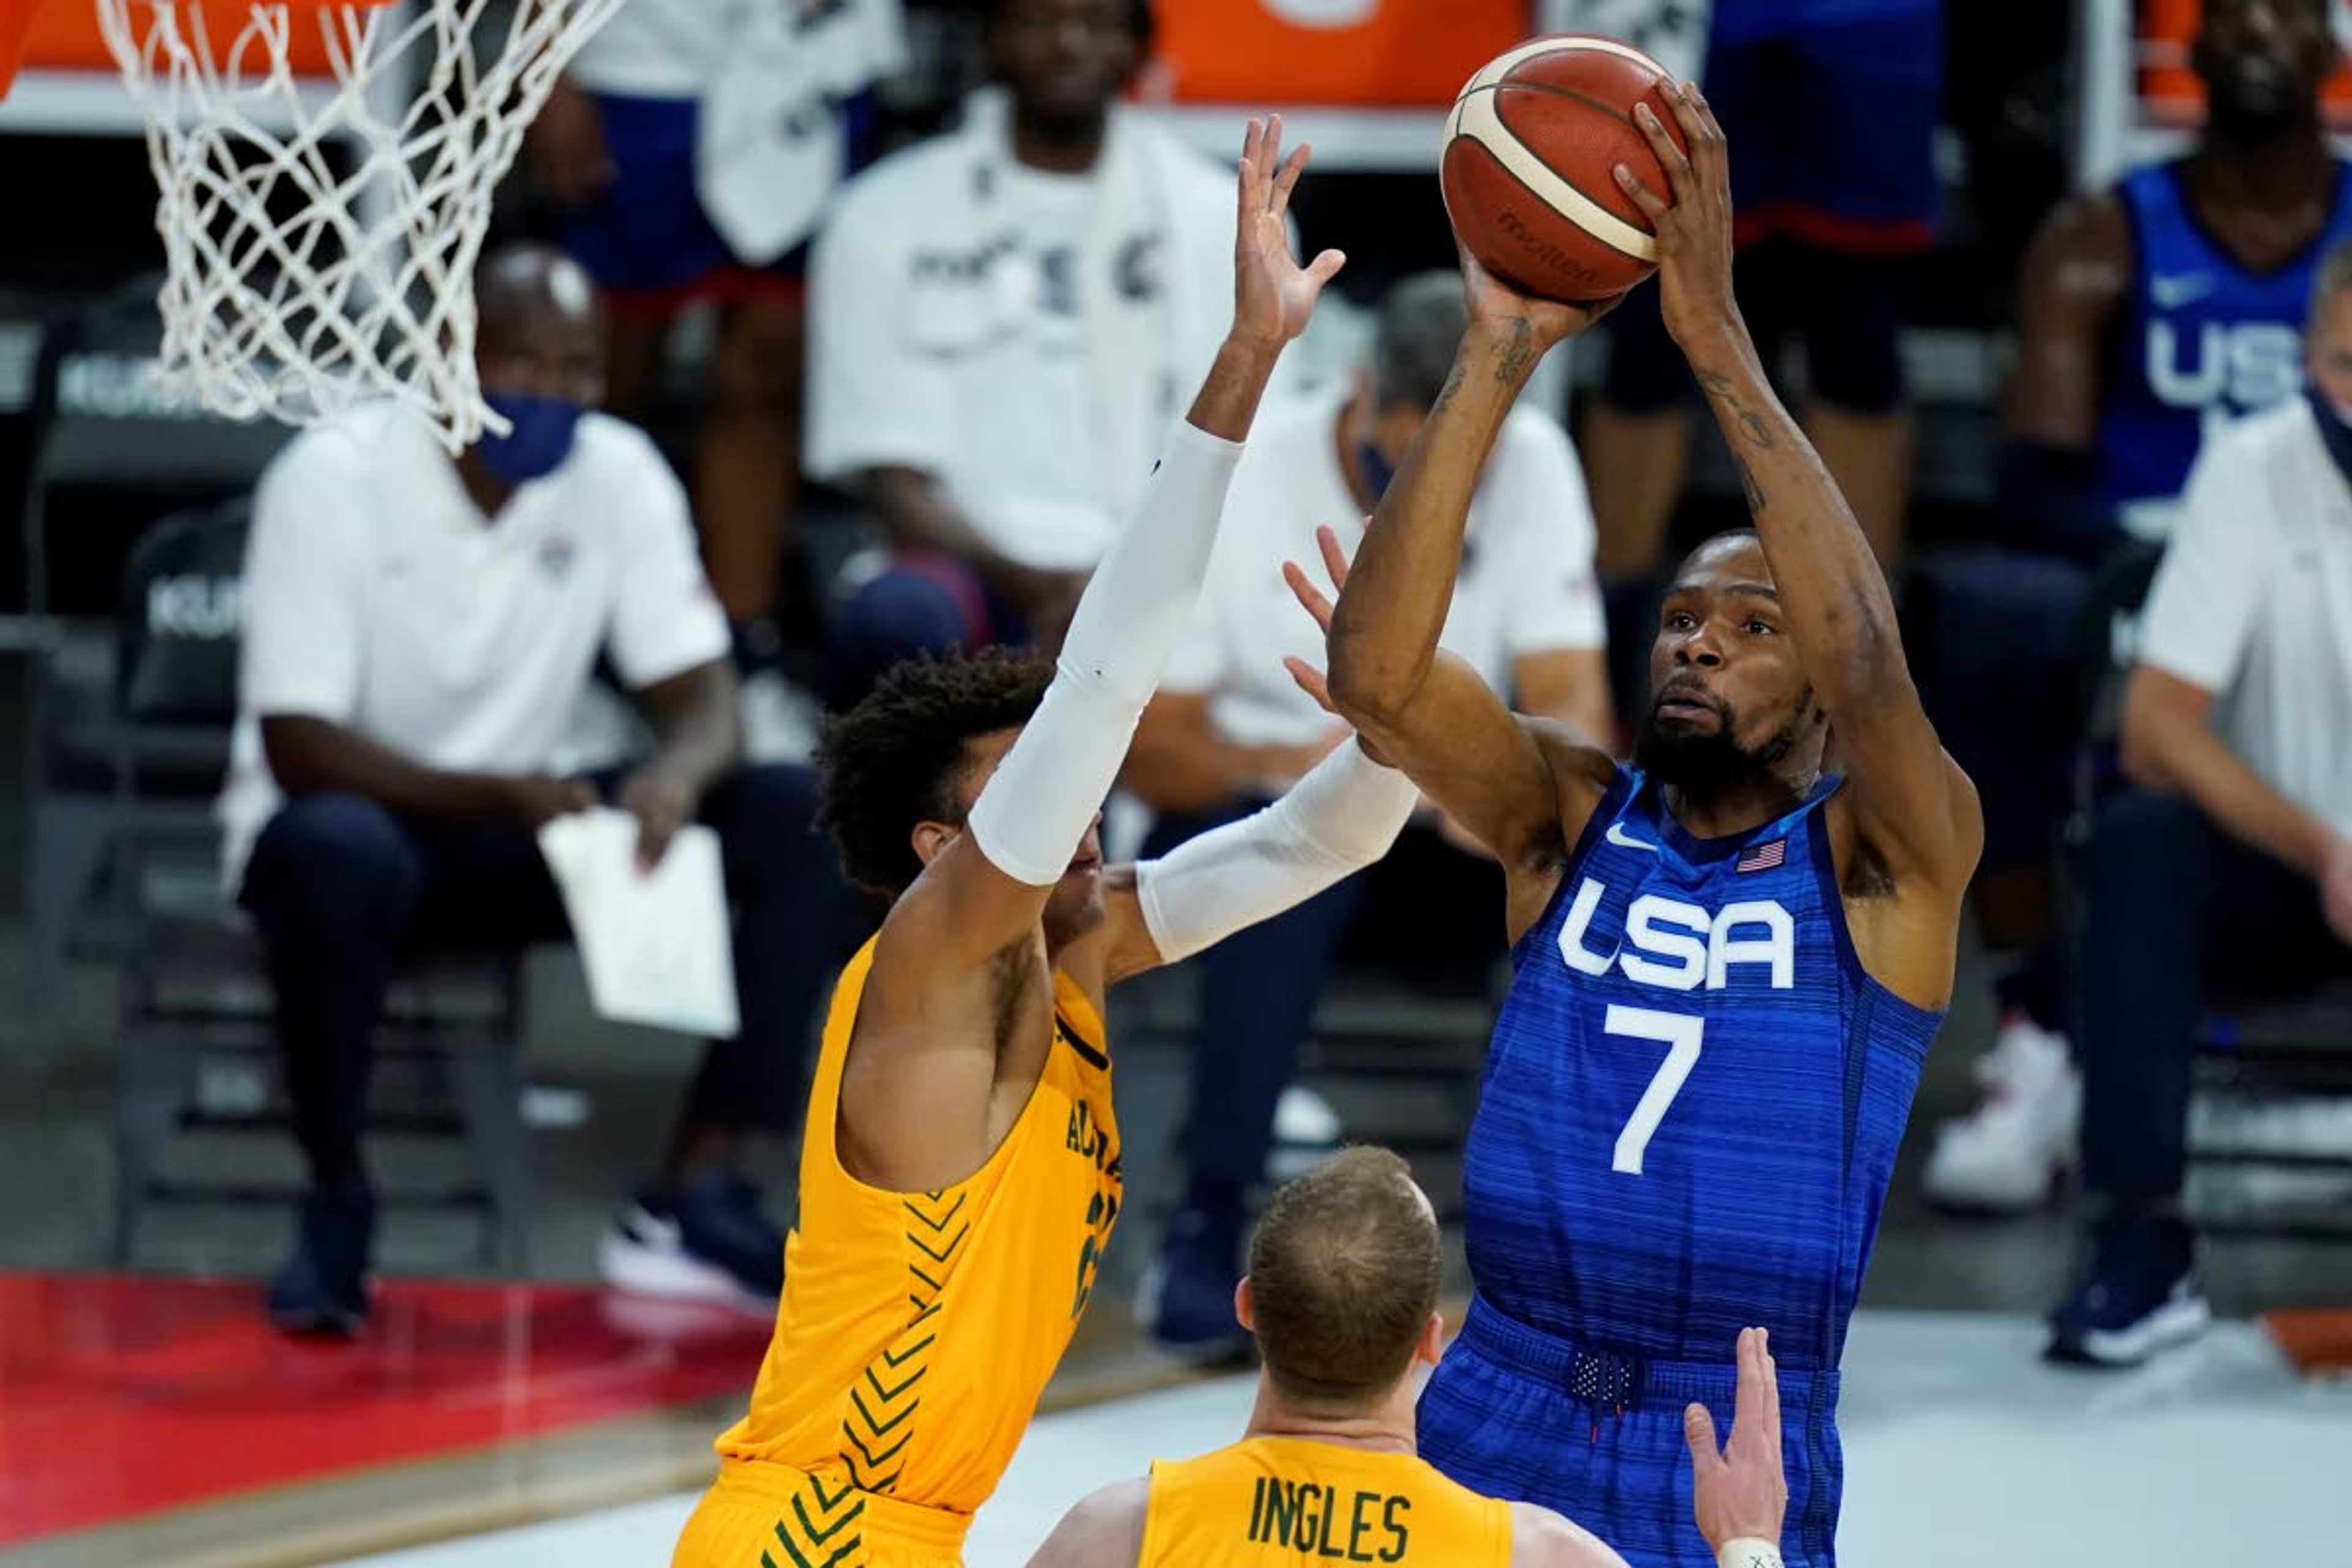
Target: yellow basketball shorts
[{"x": 762, "y": 1515}]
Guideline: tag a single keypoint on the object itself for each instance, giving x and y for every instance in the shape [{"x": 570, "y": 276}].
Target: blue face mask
[
  {"x": 1379, "y": 473},
  {"x": 539, "y": 441},
  {"x": 2334, "y": 428}
]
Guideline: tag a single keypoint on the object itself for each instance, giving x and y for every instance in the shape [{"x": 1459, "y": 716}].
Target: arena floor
[{"x": 1961, "y": 1450}]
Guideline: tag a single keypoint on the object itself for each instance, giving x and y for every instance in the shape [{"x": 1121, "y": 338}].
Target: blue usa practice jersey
[
  {"x": 1694, "y": 1096},
  {"x": 2203, "y": 339}
]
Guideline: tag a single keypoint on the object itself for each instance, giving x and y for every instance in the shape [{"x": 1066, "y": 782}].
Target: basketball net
[{"x": 320, "y": 235}]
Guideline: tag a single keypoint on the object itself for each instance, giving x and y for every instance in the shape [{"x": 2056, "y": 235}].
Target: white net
[{"x": 321, "y": 234}]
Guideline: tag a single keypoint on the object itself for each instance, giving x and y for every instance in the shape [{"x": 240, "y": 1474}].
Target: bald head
[{"x": 539, "y": 334}]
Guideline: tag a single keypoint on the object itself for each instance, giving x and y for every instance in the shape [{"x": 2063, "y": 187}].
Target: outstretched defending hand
[
  {"x": 1694, "y": 228},
  {"x": 1312, "y": 600},
  {"x": 1741, "y": 1493},
  {"x": 1274, "y": 297}
]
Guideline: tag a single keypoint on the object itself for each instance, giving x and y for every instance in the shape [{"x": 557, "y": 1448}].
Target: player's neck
[
  {"x": 1385, "y": 1428},
  {"x": 2278, "y": 168},
  {"x": 1738, "y": 809},
  {"x": 489, "y": 492},
  {"x": 1058, "y": 147}
]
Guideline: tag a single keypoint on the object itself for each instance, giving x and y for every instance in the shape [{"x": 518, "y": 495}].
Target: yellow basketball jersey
[
  {"x": 1276, "y": 1502},
  {"x": 917, "y": 1329}
]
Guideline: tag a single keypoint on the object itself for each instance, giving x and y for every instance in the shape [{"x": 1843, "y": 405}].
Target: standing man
[
  {"x": 1229, "y": 730},
  {"x": 691, "y": 147},
  {"x": 1730, "y": 965},
  {"x": 417, "y": 632},
  {"x": 1341, "y": 1295},
  {"x": 2152, "y": 315}
]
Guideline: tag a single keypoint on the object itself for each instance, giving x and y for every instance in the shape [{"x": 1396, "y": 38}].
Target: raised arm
[
  {"x": 916, "y": 1091},
  {"x": 1915, "y": 811},
  {"x": 1521, "y": 786}
]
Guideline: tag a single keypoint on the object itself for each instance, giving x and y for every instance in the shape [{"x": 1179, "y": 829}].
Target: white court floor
[{"x": 1963, "y": 1450}]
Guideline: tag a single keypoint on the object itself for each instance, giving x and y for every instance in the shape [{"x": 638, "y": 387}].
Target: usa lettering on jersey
[{"x": 1677, "y": 946}]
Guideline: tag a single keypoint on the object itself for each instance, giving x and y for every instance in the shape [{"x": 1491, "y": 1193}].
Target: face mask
[
  {"x": 2335, "y": 423},
  {"x": 539, "y": 441},
  {"x": 1379, "y": 473}
]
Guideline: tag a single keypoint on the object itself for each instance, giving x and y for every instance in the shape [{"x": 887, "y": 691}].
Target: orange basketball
[{"x": 1526, "y": 170}]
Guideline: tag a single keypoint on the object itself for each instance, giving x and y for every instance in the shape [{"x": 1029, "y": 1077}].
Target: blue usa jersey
[
  {"x": 2204, "y": 340},
  {"x": 1693, "y": 1099}
]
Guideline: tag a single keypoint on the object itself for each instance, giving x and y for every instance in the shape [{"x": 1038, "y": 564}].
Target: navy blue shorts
[
  {"x": 647, "y": 241},
  {"x": 1831, "y": 113},
  {"x": 1520, "y": 1415}
]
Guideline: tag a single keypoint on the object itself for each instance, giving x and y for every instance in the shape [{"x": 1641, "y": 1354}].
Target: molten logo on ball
[{"x": 1527, "y": 169}]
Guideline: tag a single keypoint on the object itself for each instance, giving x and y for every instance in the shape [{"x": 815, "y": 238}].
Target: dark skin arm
[
  {"x": 1906, "y": 826},
  {"x": 318, "y": 756},
  {"x": 1521, "y": 786},
  {"x": 2075, "y": 278},
  {"x": 957, "y": 1012},
  {"x": 697, "y": 716},
  {"x": 915, "y": 512}
]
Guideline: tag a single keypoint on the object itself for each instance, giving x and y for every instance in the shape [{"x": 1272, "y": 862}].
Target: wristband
[{"x": 1748, "y": 1552}]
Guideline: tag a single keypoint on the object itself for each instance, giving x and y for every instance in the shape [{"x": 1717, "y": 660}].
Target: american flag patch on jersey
[{"x": 1763, "y": 858}]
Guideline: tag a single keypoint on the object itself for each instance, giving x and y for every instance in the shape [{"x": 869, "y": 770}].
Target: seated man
[
  {"x": 2151, "y": 315},
  {"x": 1342, "y": 1296},
  {"x": 1230, "y": 730},
  {"x": 2227, "y": 870},
  {"x": 1006, "y": 320},
  {"x": 417, "y": 631}
]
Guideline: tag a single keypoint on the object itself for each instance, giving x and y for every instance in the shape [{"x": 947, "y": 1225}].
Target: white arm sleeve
[
  {"x": 1031, "y": 816},
  {"x": 1339, "y": 819}
]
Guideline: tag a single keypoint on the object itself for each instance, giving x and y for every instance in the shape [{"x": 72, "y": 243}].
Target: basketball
[{"x": 1526, "y": 169}]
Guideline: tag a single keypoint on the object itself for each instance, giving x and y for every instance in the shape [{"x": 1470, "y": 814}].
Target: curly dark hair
[{"x": 894, "y": 760}]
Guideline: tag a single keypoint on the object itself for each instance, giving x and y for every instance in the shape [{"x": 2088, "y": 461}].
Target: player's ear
[
  {"x": 930, "y": 837},
  {"x": 1242, "y": 1314},
  {"x": 1433, "y": 1340}
]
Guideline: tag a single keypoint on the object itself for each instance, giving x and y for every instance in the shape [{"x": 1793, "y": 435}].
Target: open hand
[
  {"x": 1313, "y": 601},
  {"x": 1274, "y": 297},
  {"x": 1694, "y": 228},
  {"x": 1742, "y": 1492}
]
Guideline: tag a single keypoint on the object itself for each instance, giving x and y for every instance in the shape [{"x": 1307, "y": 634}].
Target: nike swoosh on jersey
[
  {"x": 2171, "y": 293},
  {"x": 1624, "y": 840}
]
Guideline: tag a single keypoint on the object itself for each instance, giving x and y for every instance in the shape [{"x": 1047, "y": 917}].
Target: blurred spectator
[
  {"x": 1230, "y": 730},
  {"x": 417, "y": 631},
  {"x": 692, "y": 147},
  {"x": 2227, "y": 872},
  {"x": 1831, "y": 107},
  {"x": 2151, "y": 314},
  {"x": 1006, "y": 317}
]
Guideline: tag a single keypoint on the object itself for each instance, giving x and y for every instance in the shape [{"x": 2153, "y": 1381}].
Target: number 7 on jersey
[{"x": 1679, "y": 1033}]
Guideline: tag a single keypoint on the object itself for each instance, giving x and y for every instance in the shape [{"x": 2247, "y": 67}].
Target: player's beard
[{"x": 1707, "y": 764}]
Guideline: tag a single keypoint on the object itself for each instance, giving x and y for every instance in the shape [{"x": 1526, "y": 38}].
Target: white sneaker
[
  {"x": 1307, "y": 1132},
  {"x": 780, "y": 721},
  {"x": 2006, "y": 1158}
]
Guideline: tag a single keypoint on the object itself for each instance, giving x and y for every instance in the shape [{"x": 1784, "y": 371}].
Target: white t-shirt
[
  {"x": 2253, "y": 604},
  {"x": 378, "y": 596},
  {"x": 676, "y": 48},
  {"x": 982, "y": 355},
  {"x": 1525, "y": 584}
]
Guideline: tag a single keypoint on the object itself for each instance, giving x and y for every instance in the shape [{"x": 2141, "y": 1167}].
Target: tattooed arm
[
  {"x": 1522, "y": 787},
  {"x": 1915, "y": 825}
]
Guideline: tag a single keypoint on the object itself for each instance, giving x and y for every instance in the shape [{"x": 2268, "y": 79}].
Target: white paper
[{"x": 658, "y": 947}]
